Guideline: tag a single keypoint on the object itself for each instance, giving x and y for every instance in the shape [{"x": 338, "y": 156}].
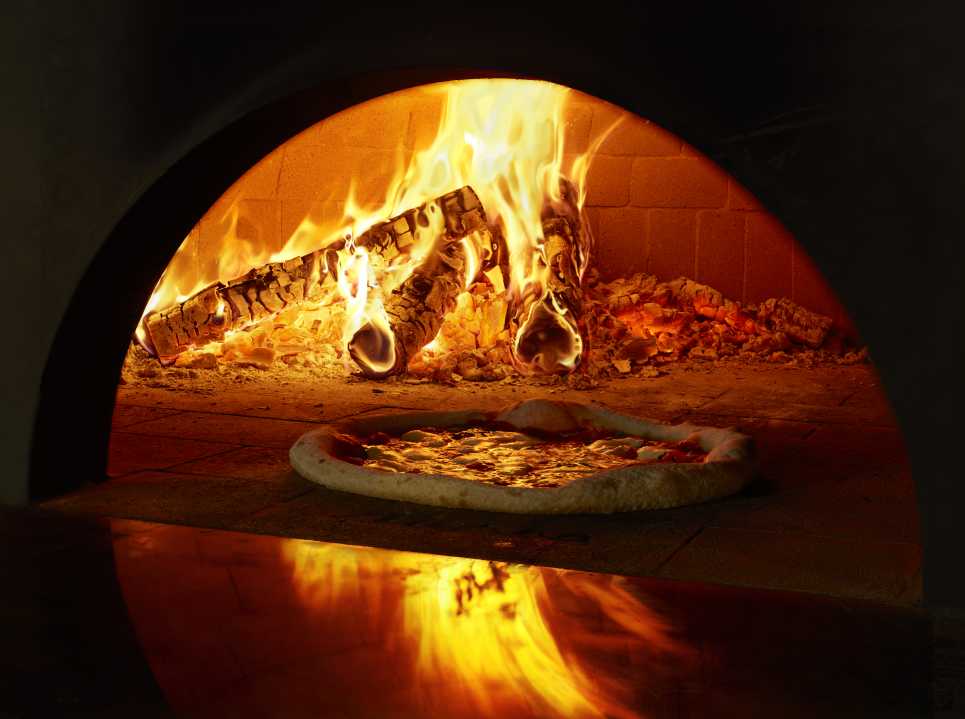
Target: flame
[
  {"x": 472, "y": 259},
  {"x": 502, "y": 137},
  {"x": 484, "y": 638}
]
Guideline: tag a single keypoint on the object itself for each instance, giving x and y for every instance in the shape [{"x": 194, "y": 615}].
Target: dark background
[{"x": 124, "y": 121}]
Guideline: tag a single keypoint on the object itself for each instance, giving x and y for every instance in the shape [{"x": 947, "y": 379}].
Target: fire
[
  {"x": 483, "y": 638},
  {"x": 502, "y": 138}
]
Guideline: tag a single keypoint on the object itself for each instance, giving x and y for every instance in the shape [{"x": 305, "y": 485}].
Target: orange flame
[
  {"x": 504, "y": 138},
  {"x": 485, "y": 638}
]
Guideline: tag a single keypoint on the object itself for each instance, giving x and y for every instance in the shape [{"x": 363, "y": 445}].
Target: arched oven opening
[{"x": 589, "y": 255}]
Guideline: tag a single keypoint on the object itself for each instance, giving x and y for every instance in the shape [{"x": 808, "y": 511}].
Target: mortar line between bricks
[{"x": 683, "y": 545}]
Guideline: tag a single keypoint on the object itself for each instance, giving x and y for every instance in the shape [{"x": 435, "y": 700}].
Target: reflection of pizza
[{"x": 539, "y": 456}]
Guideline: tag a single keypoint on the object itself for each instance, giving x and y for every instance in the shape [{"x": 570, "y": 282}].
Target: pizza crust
[{"x": 729, "y": 464}]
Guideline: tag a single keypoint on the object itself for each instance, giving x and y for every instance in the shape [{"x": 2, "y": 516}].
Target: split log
[
  {"x": 267, "y": 290},
  {"x": 415, "y": 312},
  {"x": 207, "y": 315},
  {"x": 552, "y": 335}
]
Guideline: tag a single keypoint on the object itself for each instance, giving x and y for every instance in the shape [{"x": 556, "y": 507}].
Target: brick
[
  {"x": 673, "y": 243},
  {"x": 608, "y": 181},
  {"x": 633, "y": 136},
  {"x": 325, "y": 217},
  {"x": 214, "y": 227},
  {"x": 677, "y": 182},
  {"x": 260, "y": 182},
  {"x": 810, "y": 289},
  {"x": 234, "y": 238},
  {"x": 720, "y": 251},
  {"x": 769, "y": 248},
  {"x": 740, "y": 198},
  {"x": 259, "y": 224},
  {"x": 324, "y": 173},
  {"x": 382, "y": 123},
  {"x": 186, "y": 263},
  {"x": 424, "y": 118},
  {"x": 622, "y": 246},
  {"x": 577, "y": 122}
]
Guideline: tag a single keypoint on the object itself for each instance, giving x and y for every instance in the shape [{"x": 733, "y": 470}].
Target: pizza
[
  {"x": 509, "y": 458},
  {"x": 538, "y": 456}
]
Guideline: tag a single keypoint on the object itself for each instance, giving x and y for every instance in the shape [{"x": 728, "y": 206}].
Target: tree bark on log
[
  {"x": 267, "y": 290},
  {"x": 415, "y": 312},
  {"x": 552, "y": 336}
]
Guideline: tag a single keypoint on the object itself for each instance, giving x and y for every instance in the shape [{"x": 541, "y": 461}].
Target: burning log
[
  {"x": 415, "y": 311},
  {"x": 267, "y": 290},
  {"x": 207, "y": 315},
  {"x": 551, "y": 335}
]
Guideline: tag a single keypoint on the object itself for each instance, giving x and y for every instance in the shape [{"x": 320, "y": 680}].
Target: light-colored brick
[
  {"x": 259, "y": 224},
  {"x": 608, "y": 181},
  {"x": 325, "y": 220},
  {"x": 324, "y": 173},
  {"x": 232, "y": 241},
  {"x": 382, "y": 123},
  {"x": 261, "y": 181},
  {"x": 720, "y": 251},
  {"x": 677, "y": 182},
  {"x": 577, "y": 123},
  {"x": 622, "y": 246},
  {"x": 631, "y": 135},
  {"x": 425, "y": 115},
  {"x": 673, "y": 243}
]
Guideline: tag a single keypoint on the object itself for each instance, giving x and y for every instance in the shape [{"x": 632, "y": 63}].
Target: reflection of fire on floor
[
  {"x": 477, "y": 638},
  {"x": 245, "y": 625},
  {"x": 833, "y": 513}
]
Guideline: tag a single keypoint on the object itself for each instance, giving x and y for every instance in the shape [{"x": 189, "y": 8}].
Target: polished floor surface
[{"x": 128, "y": 618}]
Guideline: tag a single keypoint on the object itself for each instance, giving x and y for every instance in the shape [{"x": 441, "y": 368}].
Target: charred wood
[
  {"x": 267, "y": 290},
  {"x": 415, "y": 312}
]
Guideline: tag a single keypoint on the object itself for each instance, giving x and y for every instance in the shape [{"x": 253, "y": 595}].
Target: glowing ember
[{"x": 485, "y": 638}]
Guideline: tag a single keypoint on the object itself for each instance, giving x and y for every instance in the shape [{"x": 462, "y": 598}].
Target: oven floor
[{"x": 833, "y": 513}]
